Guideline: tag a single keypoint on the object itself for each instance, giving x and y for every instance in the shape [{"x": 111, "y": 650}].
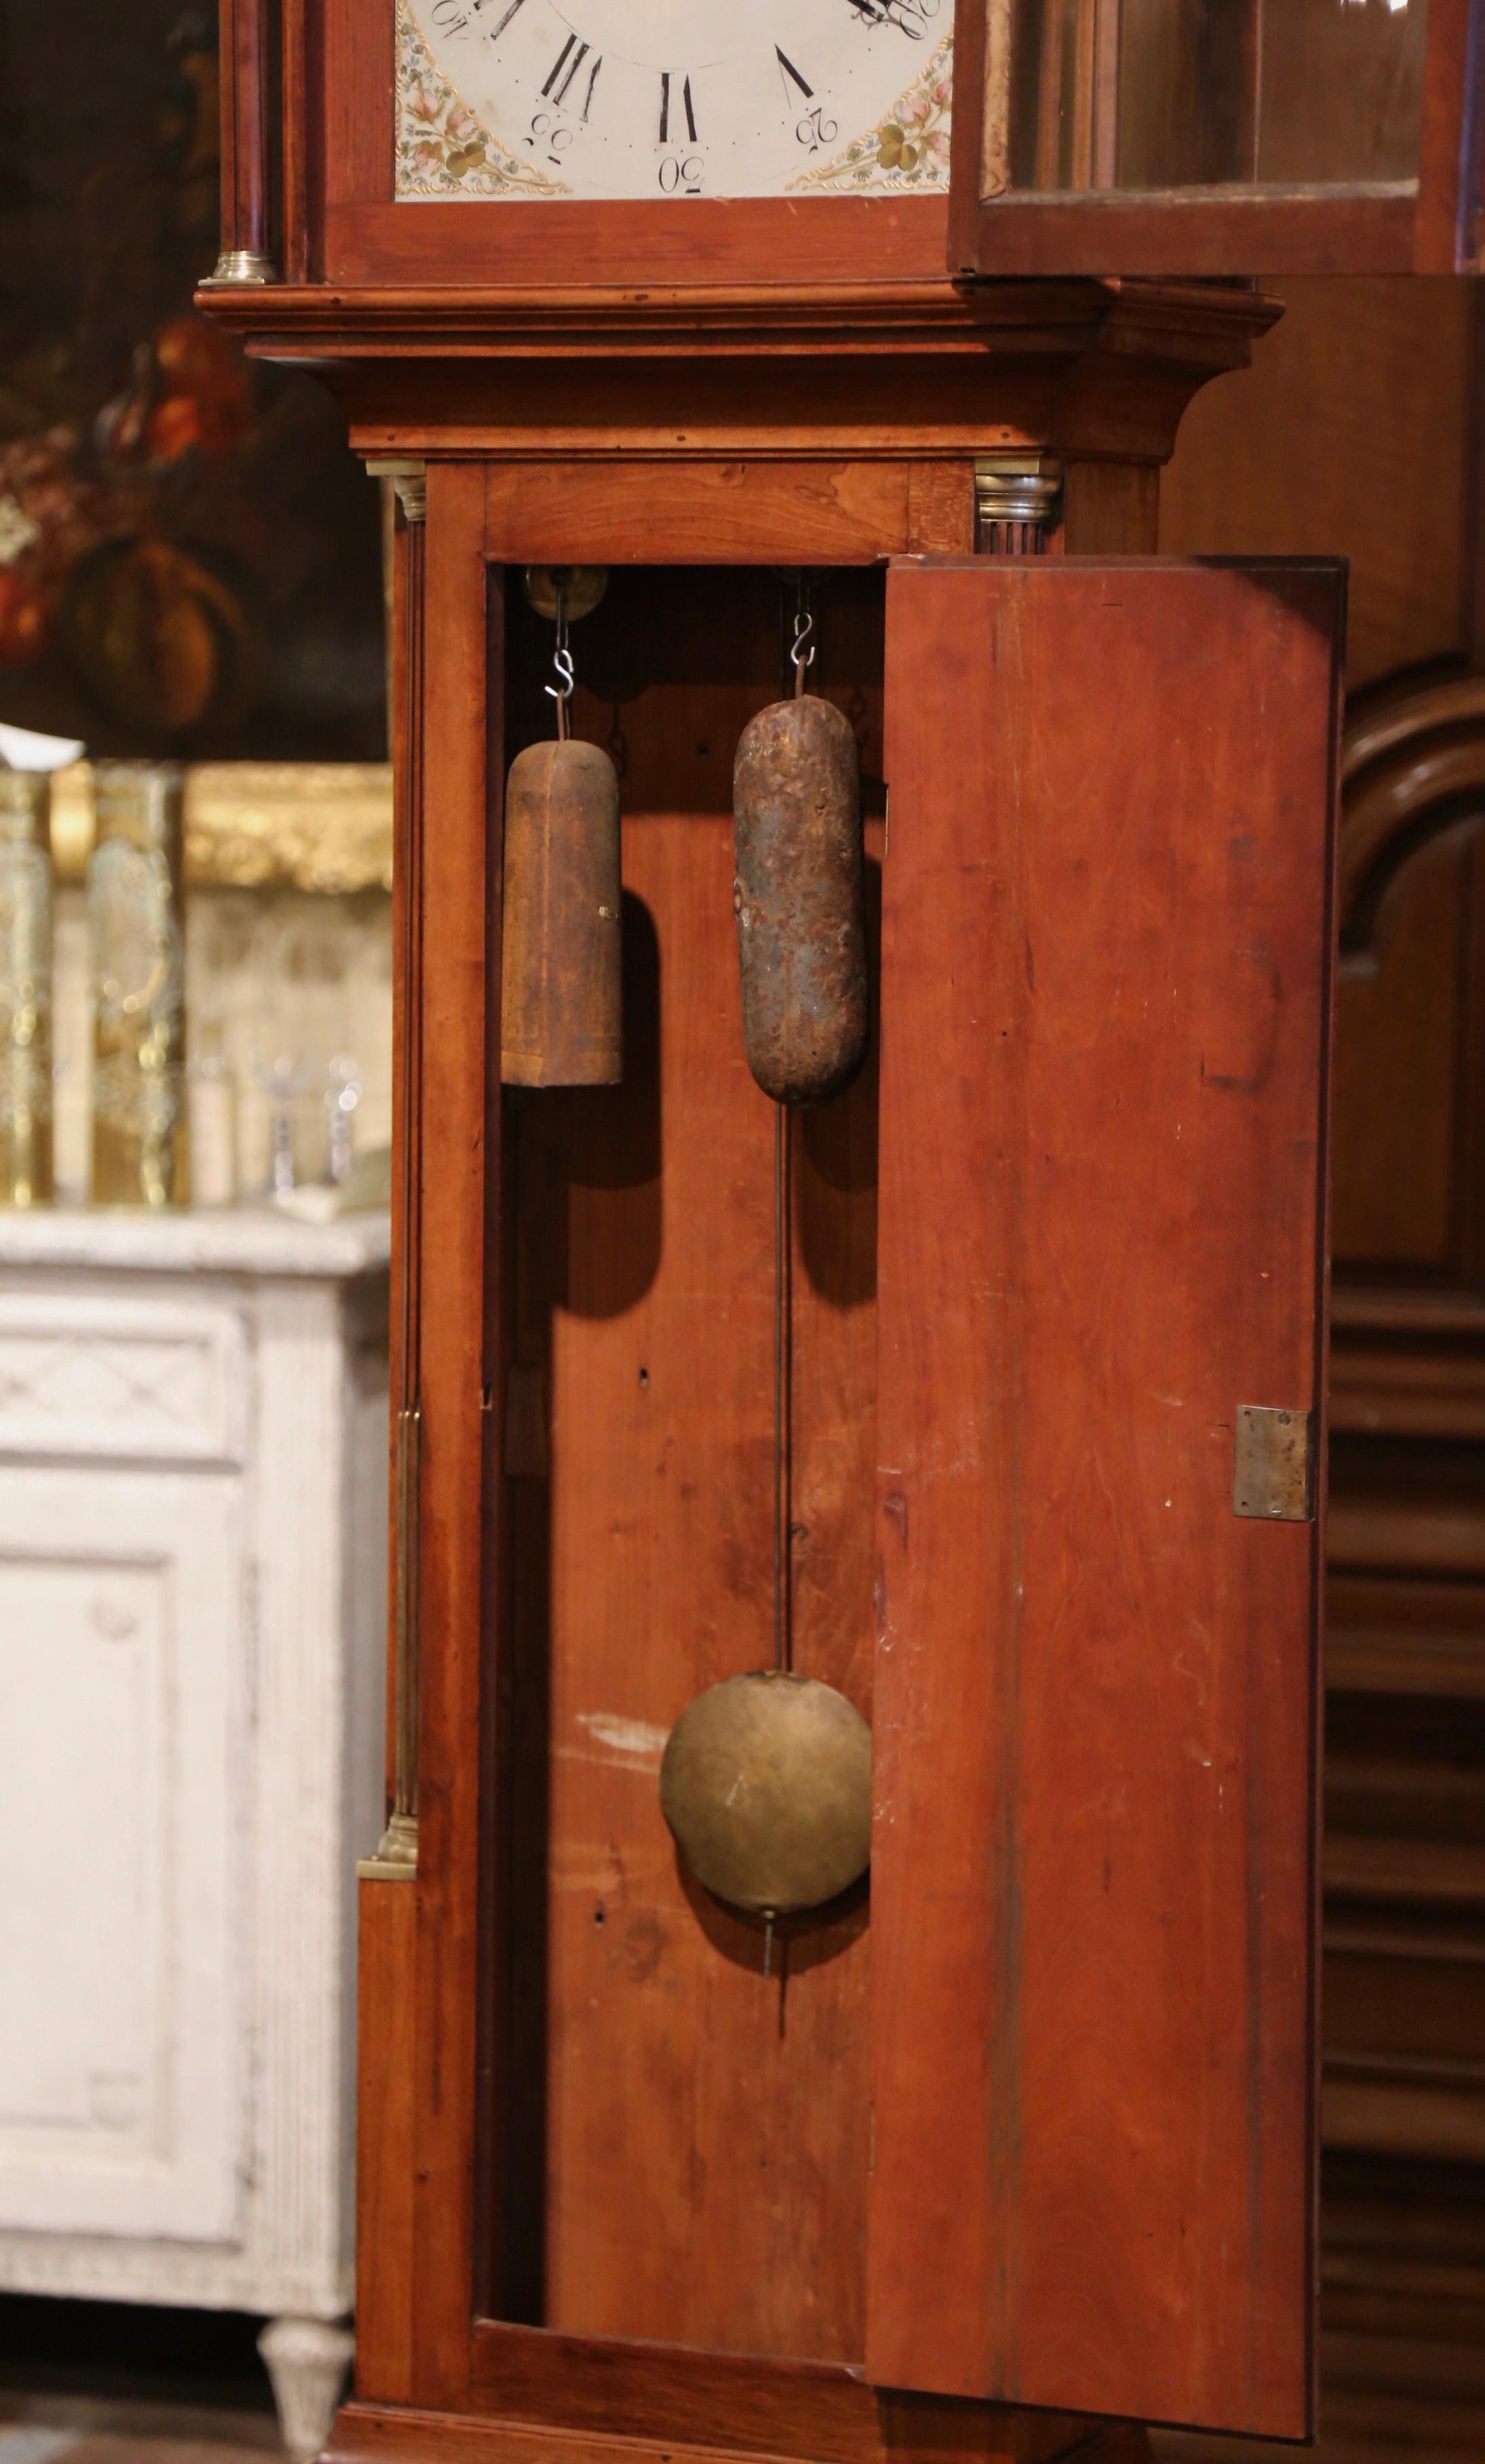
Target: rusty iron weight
[
  {"x": 766, "y": 1784},
  {"x": 799, "y": 895}
]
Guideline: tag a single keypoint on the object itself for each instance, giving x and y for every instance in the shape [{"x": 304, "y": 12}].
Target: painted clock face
[{"x": 671, "y": 99}]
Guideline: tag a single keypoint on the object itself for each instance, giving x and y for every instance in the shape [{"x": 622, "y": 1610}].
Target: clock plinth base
[{"x": 373, "y": 2434}]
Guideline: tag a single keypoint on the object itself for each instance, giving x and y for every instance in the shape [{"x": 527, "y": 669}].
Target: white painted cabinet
[{"x": 192, "y": 1578}]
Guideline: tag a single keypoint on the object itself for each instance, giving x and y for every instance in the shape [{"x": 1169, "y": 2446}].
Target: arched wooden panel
[{"x": 1410, "y": 1032}]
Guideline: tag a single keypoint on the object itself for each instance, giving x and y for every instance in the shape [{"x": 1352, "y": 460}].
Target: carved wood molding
[
  {"x": 1101, "y": 371},
  {"x": 1207, "y": 323},
  {"x": 1413, "y": 763}
]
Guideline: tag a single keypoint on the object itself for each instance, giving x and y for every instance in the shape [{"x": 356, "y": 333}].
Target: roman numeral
[
  {"x": 592, "y": 80},
  {"x": 909, "y": 17},
  {"x": 565, "y": 68},
  {"x": 665, "y": 108},
  {"x": 790, "y": 70},
  {"x": 496, "y": 32}
]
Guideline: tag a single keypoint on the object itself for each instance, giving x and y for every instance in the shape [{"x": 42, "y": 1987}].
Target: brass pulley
[{"x": 572, "y": 590}]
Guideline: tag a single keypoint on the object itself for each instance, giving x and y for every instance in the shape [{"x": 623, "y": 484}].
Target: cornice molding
[{"x": 1215, "y": 325}]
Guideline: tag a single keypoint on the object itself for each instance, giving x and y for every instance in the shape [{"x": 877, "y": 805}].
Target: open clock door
[
  {"x": 1216, "y": 137},
  {"x": 1105, "y": 1006}
]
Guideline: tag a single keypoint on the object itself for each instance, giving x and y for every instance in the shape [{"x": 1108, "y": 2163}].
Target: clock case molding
[
  {"x": 309, "y": 144},
  {"x": 735, "y": 386}
]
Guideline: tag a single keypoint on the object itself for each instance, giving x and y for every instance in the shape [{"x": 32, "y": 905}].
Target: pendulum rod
[
  {"x": 800, "y": 659},
  {"x": 782, "y": 1636}
]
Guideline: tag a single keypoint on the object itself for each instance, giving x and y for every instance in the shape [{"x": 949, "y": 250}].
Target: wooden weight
[
  {"x": 799, "y": 893},
  {"x": 559, "y": 968}
]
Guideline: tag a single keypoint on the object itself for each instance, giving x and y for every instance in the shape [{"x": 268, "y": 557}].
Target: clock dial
[{"x": 670, "y": 99}]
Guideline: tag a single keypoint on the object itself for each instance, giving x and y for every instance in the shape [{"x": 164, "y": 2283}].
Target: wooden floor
[
  {"x": 98, "y": 2430},
  {"x": 108, "y": 2383}
]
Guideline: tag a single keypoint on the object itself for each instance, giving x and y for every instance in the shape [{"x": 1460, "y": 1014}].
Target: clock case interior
[{"x": 650, "y": 2073}]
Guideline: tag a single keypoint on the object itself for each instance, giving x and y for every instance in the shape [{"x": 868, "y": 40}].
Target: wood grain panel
[
  {"x": 1111, "y": 509},
  {"x": 1408, "y": 1019},
  {"x": 385, "y": 2067},
  {"x": 821, "y": 2411},
  {"x": 736, "y": 2402},
  {"x": 1349, "y": 435},
  {"x": 713, "y": 513},
  {"x": 1105, "y": 957},
  {"x": 458, "y": 1292}
]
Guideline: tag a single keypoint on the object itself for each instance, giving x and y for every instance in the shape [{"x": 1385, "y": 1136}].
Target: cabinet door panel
[
  {"x": 122, "y": 1705},
  {"x": 1105, "y": 1003}
]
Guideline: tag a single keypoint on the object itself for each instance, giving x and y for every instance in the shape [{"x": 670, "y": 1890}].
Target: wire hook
[
  {"x": 561, "y": 692},
  {"x": 802, "y": 653}
]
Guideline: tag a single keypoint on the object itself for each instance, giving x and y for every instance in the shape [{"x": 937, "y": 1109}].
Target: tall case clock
[{"x": 972, "y": 1409}]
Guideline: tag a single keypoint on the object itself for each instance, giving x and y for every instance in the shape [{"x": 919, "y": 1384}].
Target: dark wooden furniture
[
  {"x": 1405, "y": 1870},
  {"x": 1403, "y": 2117},
  {"x": 1021, "y": 2152}
]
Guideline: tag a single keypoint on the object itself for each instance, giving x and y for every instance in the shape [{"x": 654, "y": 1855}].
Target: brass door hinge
[{"x": 1274, "y": 1464}]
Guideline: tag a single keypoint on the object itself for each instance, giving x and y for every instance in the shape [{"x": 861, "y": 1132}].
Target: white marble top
[{"x": 206, "y": 1240}]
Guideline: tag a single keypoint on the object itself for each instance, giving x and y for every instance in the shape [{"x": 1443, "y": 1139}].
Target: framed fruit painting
[{"x": 189, "y": 558}]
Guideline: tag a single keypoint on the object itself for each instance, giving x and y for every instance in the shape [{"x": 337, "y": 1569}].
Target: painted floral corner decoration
[
  {"x": 442, "y": 149},
  {"x": 910, "y": 149}
]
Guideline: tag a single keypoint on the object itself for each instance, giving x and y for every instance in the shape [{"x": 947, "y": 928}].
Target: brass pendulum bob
[
  {"x": 766, "y": 1784},
  {"x": 560, "y": 981}
]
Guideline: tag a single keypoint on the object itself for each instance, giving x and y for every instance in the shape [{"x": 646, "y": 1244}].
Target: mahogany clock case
[
  {"x": 592, "y": 2127},
  {"x": 1027, "y": 2132}
]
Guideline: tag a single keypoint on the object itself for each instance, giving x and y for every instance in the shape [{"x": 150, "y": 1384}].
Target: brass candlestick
[
  {"x": 138, "y": 986},
  {"x": 25, "y": 988}
]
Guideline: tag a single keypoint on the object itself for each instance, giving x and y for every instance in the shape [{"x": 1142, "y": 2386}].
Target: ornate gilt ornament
[
  {"x": 138, "y": 986},
  {"x": 319, "y": 826},
  {"x": 632, "y": 98},
  {"x": 25, "y": 989}
]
